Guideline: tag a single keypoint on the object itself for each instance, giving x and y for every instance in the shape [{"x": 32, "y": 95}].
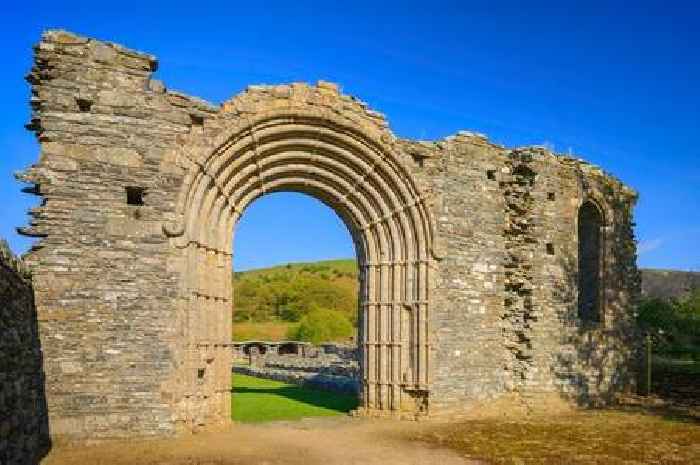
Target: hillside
[
  {"x": 666, "y": 284},
  {"x": 270, "y": 301},
  {"x": 343, "y": 265}
]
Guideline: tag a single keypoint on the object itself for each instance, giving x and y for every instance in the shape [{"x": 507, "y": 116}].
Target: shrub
[
  {"x": 323, "y": 325},
  {"x": 674, "y": 325}
]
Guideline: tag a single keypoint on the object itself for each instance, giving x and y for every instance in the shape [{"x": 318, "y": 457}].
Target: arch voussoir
[{"x": 350, "y": 168}]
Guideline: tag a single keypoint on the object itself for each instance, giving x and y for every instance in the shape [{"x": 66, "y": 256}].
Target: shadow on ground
[{"x": 675, "y": 392}]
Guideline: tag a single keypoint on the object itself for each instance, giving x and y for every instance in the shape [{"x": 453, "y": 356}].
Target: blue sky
[{"x": 614, "y": 83}]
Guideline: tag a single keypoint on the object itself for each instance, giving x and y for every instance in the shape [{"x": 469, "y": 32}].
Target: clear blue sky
[{"x": 617, "y": 84}]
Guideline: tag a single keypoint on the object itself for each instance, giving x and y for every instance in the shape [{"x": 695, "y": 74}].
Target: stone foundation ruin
[
  {"x": 328, "y": 367},
  {"x": 484, "y": 270}
]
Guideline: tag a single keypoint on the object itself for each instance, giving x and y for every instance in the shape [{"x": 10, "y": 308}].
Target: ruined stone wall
[
  {"x": 471, "y": 293},
  {"x": 505, "y": 318},
  {"x": 329, "y": 371},
  {"x": 106, "y": 300},
  {"x": 467, "y": 341},
  {"x": 24, "y": 435}
]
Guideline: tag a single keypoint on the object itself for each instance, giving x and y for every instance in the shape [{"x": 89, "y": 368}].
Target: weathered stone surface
[
  {"x": 468, "y": 250},
  {"x": 24, "y": 435}
]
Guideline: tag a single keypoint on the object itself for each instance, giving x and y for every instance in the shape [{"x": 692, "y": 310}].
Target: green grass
[{"x": 258, "y": 400}]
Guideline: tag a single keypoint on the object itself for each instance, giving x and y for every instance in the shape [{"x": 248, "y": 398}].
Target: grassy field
[
  {"x": 258, "y": 400},
  {"x": 264, "y": 331}
]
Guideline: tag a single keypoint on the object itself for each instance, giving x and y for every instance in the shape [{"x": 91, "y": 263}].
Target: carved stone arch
[
  {"x": 598, "y": 200},
  {"x": 349, "y": 168}
]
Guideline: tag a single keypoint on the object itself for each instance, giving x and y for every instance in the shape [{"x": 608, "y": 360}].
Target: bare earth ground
[
  {"x": 592, "y": 437},
  {"x": 633, "y": 435},
  {"x": 322, "y": 441},
  {"x": 663, "y": 429}
]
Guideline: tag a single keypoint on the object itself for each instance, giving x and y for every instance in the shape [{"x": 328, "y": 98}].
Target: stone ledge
[{"x": 101, "y": 52}]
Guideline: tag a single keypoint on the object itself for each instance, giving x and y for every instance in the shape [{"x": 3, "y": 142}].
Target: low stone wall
[
  {"x": 243, "y": 349},
  {"x": 341, "y": 384},
  {"x": 328, "y": 369},
  {"x": 344, "y": 351},
  {"x": 24, "y": 434}
]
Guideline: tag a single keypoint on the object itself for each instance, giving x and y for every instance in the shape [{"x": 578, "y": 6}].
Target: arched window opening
[{"x": 590, "y": 222}]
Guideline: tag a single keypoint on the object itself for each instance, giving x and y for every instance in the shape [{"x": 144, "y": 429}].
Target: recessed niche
[
  {"x": 84, "y": 105},
  {"x": 197, "y": 120},
  {"x": 590, "y": 257},
  {"x": 135, "y": 195}
]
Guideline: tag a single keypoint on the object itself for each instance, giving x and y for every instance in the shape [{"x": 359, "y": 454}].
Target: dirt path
[{"x": 310, "y": 442}]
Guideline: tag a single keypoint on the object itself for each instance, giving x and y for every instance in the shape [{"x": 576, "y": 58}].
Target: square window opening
[
  {"x": 84, "y": 105},
  {"x": 135, "y": 195},
  {"x": 197, "y": 120}
]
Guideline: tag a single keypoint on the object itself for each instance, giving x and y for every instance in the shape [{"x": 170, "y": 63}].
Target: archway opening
[
  {"x": 295, "y": 310},
  {"x": 354, "y": 171},
  {"x": 590, "y": 255}
]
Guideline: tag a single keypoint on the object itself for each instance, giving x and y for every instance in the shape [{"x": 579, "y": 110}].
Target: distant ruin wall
[
  {"x": 329, "y": 367},
  {"x": 24, "y": 432}
]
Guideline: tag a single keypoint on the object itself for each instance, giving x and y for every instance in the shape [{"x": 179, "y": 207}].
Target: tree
[
  {"x": 323, "y": 325},
  {"x": 289, "y": 292},
  {"x": 674, "y": 324}
]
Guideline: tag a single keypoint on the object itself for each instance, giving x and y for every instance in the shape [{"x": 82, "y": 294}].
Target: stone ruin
[
  {"x": 24, "y": 428},
  {"x": 329, "y": 366},
  {"x": 485, "y": 271},
  {"x": 243, "y": 349}
]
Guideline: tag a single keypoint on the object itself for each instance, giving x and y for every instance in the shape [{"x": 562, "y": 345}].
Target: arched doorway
[{"x": 355, "y": 174}]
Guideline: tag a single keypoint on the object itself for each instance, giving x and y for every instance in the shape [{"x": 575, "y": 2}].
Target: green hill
[
  {"x": 270, "y": 303},
  {"x": 343, "y": 265}
]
